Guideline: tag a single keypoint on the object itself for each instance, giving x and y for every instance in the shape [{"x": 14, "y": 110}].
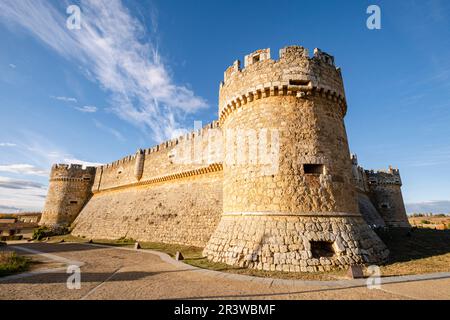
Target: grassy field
[
  {"x": 412, "y": 252},
  {"x": 434, "y": 222},
  {"x": 11, "y": 263}
]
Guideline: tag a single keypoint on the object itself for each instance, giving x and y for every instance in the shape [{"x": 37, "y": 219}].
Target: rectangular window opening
[
  {"x": 73, "y": 202},
  {"x": 299, "y": 82},
  {"x": 313, "y": 168},
  {"x": 322, "y": 249},
  {"x": 255, "y": 59}
]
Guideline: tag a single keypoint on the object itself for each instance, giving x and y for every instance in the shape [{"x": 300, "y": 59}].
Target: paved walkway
[{"x": 120, "y": 273}]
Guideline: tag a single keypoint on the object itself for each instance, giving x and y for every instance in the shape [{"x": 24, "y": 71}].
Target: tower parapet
[
  {"x": 69, "y": 190},
  {"x": 294, "y": 74}
]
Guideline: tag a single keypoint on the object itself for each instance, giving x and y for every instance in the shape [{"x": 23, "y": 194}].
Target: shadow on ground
[{"x": 406, "y": 245}]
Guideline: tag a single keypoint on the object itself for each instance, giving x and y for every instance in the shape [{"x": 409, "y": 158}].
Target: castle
[{"x": 270, "y": 185}]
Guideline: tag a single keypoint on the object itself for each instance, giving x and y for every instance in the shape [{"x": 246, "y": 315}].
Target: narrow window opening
[
  {"x": 73, "y": 201},
  {"x": 256, "y": 59},
  {"x": 313, "y": 168},
  {"x": 322, "y": 249}
]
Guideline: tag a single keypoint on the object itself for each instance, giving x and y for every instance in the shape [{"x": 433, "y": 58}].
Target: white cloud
[
  {"x": 7, "y": 144},
  {"x": 87, "y": 109},
  {"x": 65, "y": 99},
  {"x": 26, "y": 169},
  {"x": 12, "y": 66},
  {"x": 83, "y": 163},
  {"x": 21, "y": 195},
  {"x": 110, "y": 46},
  {"x": 433, "y": 206}
]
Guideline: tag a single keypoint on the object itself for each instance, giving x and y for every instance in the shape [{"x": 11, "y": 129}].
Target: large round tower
[
  {"x": 69, "y": 190},
  {"x": 298, "y": 211}
]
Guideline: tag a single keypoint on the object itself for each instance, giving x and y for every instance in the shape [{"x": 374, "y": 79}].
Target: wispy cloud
[
  {"x": 65, "y": 99},
  {"x": 26, "y": 169},
  {"x": 12, "y": 66},
  {"x": 433, "y": 206},
  {"x": 109, "y": 130},
  {"x": 19, "y": 184},
  {"x": 8, "y": 209},
  {"x": 110, "y": 45},
  {"x": 7, "y": 144},
  {"x": 87, "y": 109},
  {"x": 21, "y": 195}
]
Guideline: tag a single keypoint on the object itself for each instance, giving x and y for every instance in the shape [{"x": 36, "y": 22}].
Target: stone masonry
[{"x": 293, "y": 201}]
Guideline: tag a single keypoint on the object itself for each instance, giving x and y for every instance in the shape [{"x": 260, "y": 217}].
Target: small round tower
[
  {"x": 69, "y": 190},
  {"x": 385, "y": 192},
  {"x": 299, "y": 212}
]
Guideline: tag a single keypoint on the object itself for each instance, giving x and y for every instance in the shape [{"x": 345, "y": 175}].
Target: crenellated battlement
[
  {"x": 164, "y": 146},
  {"x": 295, "y": 73},
  {"x": 71, "y": 171},
  {"x": 390, "y": 176}
]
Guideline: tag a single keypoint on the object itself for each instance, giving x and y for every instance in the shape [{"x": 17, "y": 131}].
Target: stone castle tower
[
  {"x": 270, "y": 185},
  {"x": 69, "y": 190},
  {"x": 303, "y": 217}
]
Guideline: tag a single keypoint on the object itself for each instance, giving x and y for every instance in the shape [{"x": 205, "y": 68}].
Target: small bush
[
  {"x": 40, "y": 233},
  {"x": 44, "y": 232},
  {"x": 124, "y": 240},
  {"x": 425, "y": 222}
]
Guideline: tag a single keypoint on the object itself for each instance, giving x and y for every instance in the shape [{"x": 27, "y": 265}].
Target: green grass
[{"x": 11, "y": 263}]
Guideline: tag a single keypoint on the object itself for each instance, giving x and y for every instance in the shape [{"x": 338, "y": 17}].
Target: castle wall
[
  {"x": 184, "y": 212},
  {"x": 369, "y": 212},
  {"x": 269, "y": 185},
  {"x": 169, "y": 193},
  {"x": 192, "y": 151}
]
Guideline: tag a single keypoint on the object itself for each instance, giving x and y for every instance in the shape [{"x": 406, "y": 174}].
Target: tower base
[{"x": 294, "y": 243}]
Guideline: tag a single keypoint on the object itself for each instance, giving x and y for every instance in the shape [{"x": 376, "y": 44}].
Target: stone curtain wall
[
  {"x": 369, "y": 212},
  {"x": 192, "y": 151},
  {"x": 185, "y": 211},
  {"x": 169, "y": 193}
]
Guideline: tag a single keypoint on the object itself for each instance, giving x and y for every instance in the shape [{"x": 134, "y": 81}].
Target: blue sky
[{"x": 141, "y": 71}]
